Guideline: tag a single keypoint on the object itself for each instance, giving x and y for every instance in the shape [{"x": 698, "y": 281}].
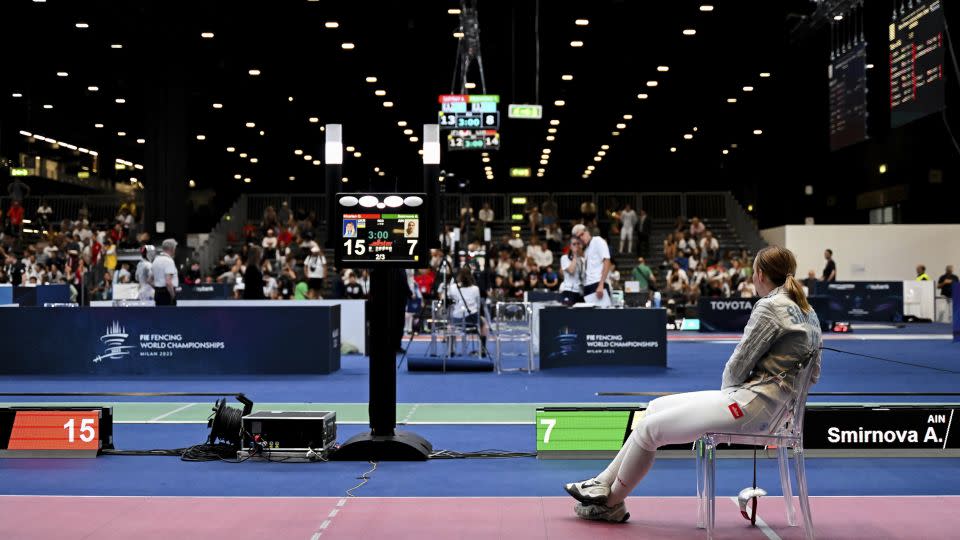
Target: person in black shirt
[
  {"x": 946, "y": 281},
  {"x": 830, "y": 270},
  {"x": 253, "y": 277},
  {"x": 353, "y": 290}
]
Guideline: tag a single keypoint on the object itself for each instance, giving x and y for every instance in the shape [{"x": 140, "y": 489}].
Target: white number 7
[
  {"x": 549, "y": 422},
  {"x": 413, "y": 244}
]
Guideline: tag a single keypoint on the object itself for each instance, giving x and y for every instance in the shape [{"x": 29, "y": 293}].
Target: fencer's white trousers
[
  {"x": 683, "y": 418},
  {"x": 626, "y": 235}
]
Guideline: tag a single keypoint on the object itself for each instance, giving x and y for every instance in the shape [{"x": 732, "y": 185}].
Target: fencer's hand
[{"x": 600, "y": 291}]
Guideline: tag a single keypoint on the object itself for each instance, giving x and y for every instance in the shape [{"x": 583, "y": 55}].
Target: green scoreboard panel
[{"x": 568, "y": 432}]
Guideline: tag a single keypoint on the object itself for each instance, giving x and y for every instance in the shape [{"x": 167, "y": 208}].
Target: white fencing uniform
[{"x": 145, "y": 279}]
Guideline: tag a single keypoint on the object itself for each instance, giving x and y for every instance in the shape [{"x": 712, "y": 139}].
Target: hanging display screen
[{"x": 916, "y": 63}]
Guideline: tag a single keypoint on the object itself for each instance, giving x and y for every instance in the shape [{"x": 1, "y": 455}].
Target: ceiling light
[
  {"x": 251, "y": 124},
  {"x": 544, "y": 162},
  {"x": 545, "y": 156},
  {"x": 453, "y": 11},
  {"x": 689, "y": 32},
  {"x": 868, "y": 66},
  {"x": 253, "y": 160},
  {"x": 731, "y": 100},
  {"x": 551, "y": 130},
  {"x": 62, "y": 74},
  {"x": 628, "y": 117},
  {"x": 347, "y": 46},
  {"x": 486, "y": 160},
  {"x": 82, "y": 25},
  {"x": 458, "y": 34},
  {"x": 291, "y": 178},
  {"x": 237, "y": 176},
  {"x": 408, "y": 132},
  {"x": 651, "y": 83},
  {"x": 331, "y": 24},
  {"x": 206, "y": 35},
  {"x": 615, "y": 133},
  {"x": 414, "y": 139},
  {"x": 380, "y": 93},
  {"x": 551, "y": 138},
  {"x": 695, "y": 128},
  {"x": 547, "y": 150},
  {"x": 98, "y": 126},
  {"x": 663, "y": 68},
  {"x": 688, "y": 136},
  {"x": 316, "y": 162},
  {"x": 706, "y": 7},
  {"x": 539, "y": 175},
  {"x": 141, "y": 141},
  {"x": 121, "y": 134},
  {"x": 601, "y": 153},
  {"x": 308, "y": 157},
  {"x": 290, "y": 98},
  {"x": 388, "y": 104},
  {"x": 16, "y": 95},
  {"x": 566, "y": 77},
  {"x": 313, "y": 120},
  {"x": 621, "y": 126},
  {"x": 584, "y": 176},
  {"x": 48, "y": 106},
  {"x": 350, "y": 149},
  {"x": 766, "y": 74},
  {"x": 116, "y": 45},
  {"x": 120, "y": 100},
  {"x": 298, "y": 152},
  {"x": 748, "y": 89},
  {"x": 758, "y": 132},
  {"x": 591, "y": 167},
  {"x": 93, "y": 88},
  {"x": 673, "y": 148},
  {"x": 231, "y": 149},
  {"x": 581, "y": 22},
  {"x": 554, "y": 122},
  {"x": 218, "y": 105},
  {"x": 597, "y": 158},
  {"x": 344, "y": 179},
  {"x": 559, "y": 103},
  {"x": 604, "y": 146},
  {"x": 725, "y": 151},
  {"x": 642, "y": 96},
  {"x": 470, "y": 85},
  {"x": 576, "y": 44},
  {"x": 243, "y": 155},
  {"x": 488, "y": 168},
  {"x": 192, "y": 184},
  {"x": 201, "y": 137},
  {"x": 254, "y": 72},
  {"x": 247, "y": 180},
  {"x": 402, "y": 123},
  {"x": 838, "y": 17}
]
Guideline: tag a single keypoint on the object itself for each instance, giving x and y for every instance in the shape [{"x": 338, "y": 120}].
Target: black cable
[{"x": 891, "y": 361}]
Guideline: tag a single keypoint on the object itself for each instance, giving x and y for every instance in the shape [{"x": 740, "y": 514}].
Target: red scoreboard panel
[{"x": 55, "y": 431}]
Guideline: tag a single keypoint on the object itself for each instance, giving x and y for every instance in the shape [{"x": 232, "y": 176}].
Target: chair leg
[
  {"x": 701, "y": 493},
  {"x": 784, "y": 459},
  {"x": 496, "y": 357},
  {"x": 802, "y": 492},
  {"x": 710, "y": 487}
]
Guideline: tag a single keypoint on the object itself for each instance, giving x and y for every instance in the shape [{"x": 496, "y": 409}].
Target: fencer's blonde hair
[{"x": 779, "y": 265}]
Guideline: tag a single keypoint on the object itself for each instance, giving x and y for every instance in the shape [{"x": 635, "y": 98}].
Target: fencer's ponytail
[{"x": 779, "y": 265}]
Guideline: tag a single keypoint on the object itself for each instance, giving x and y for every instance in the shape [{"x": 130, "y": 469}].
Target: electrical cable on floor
[
  {"x": 364, "y": 478},
  {"x": 480, "y": 454}
]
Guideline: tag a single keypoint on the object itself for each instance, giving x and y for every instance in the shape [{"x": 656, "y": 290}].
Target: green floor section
[{"x": 356, "y": 413}]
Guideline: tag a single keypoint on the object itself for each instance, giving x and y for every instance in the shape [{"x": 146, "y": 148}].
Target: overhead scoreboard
[
  {"x": 472, "y": 120},
  {"x": 848, "y": 97},
  {"x": 917, "y": 86},
  {"x": 381, "y": 229}
]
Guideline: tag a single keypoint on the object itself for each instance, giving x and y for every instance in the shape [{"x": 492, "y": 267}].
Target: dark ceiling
[{"x": 410, "y": 48}]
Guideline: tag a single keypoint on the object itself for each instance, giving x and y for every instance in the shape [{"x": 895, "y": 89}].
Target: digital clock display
[{"x": 381, "y": 229}]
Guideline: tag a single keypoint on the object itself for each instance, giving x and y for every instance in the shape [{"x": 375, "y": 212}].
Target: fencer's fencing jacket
[{"x": 778, "y": 340}]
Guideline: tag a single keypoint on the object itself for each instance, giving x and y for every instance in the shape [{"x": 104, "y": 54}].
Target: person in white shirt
[
  {"x": 315, "y": 266},
  {"x": 597, "y": 257},
  {"x": 465, "y": 295},
  {"x": 144, "y": 278},
  {"x": 628, "y": 222},
  {"x": 542, "y": 256},
  {"x": 709, "y": 246},
  {"x": 516, "y": 242},
  {"x": 486, "y": 214},
  {"x": 165, "y": 276},
  {"x": 697, "y": 227}
]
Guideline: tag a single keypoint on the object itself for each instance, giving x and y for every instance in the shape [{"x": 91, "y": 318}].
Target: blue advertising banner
[
  {"x": 878, "y": 301},
  {"x": 206, "y": 291},
  {"x": 724, "y": 314},
  {"x": 170, "y": 341},
  {"x": 40, "y": 295},
  {"x": 593, "y": 336},
  {"x": 6, "y": 294}
]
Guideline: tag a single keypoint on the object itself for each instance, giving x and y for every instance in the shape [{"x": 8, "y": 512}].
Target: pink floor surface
[{"x": 529, "y": 518}]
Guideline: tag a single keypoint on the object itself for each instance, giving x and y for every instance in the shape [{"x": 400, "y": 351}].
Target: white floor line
[
  {"x": 326, "y": 523},
  {"x": 175, "y": 411},
  {"x": 761, "y": 524},
  {"x": 406, "y": 419}
]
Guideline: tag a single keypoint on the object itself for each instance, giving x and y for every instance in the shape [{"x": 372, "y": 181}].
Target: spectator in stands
[
  {"x": 286, "y": 282},
  {"x": 18, "y": 190},
  {"x": 284, "y": 214},
  {"x": 811, "y": 282},
  {"x": 554, "y": 236},
  {"x": 269, "y": 219},
  {"x": 192, "y": 276},
  {"x": 542, "y": 256},
  {"x": 643, "y": 275},
  {"x": 315, "y": 268},
  {"x": 533, "y": 280},
  {"x": 698, "y": 282},
  {"x": 686, "y": 242},
  {"x": 15, "y": 217},
  {"x": 353, "y": 290},
  {"x": 516, "y": 243},
  {"x": 677, "y": 282},
  {"x": 709, "y": 247},
  {"x": 534, "y": 220},
  {"x": 746, "y": 289},
  {"x": 596, "y": 253},
  {"x": 44, "y": 214},
  {"x": 109, "y": 255},
  {"x": 271, "y": 288},
  {"x": 946, "y": 281},
  {"x": 670, "y": 247},
  {"x": 122, "y": 274},
  {"x": 613, "y": 277},
  {"x": 830, "y": 269},
  {"x": 468, "y": 227},
  {"x": 269, "y": 245},
  {"x": 518, "y": 279},
  {"x": 922, "y": 273},
  {"x": 364, "y": 280},
  {"x": 249, "y": 231},
  {"x": 680, "y": 225},
  {"x": 446, "y": 239},
  {"x": 550, "y": 279},
  {"x": 697, "y": 228},
  {"x": 104, "y": 289},
  {"x": 165, "y": 276},
  {"x": 253, "y": 276},
  {"x": 549, "y": 211},
  {"x": 628, "y": 223},
  {"x": 499, "y": 292},
  {"x": 588, "y": 212},
  {"x": 54, "y": 275},
  {"x": 486, "y": 214},
  {"x": 643, "y": 233}
]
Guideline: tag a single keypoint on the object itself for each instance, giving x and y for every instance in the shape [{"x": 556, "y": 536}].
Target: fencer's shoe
[
  {"x": 590, "y": 491},
  {"x": 600, "y": 512}
]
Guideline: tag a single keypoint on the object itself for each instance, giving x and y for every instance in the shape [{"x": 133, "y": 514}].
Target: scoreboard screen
[
  {"x": 381, "y": 229},
  {"x": 55, "y": 431},
  {"x": 486, "y": 139},
  {"x": 848, "y": 98},
  {"x": 471, "y": 119},
  {"x": 916, "y": 63}
]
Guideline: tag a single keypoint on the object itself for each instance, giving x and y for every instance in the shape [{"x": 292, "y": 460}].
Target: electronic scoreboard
[
  {"x": 381, "y": 229},
  {"x": 55, "y": 431},
  {"x": 916, "y": 63},
  {"x": 847, "y": 76},
  {"x": 473, "y": 121}
]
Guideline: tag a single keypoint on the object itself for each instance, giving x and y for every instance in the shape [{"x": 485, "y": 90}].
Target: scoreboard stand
[{"x": 386, "y": 233}]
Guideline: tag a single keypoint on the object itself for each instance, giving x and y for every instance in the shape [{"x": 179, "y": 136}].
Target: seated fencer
[{"x": 759, "y": 381}]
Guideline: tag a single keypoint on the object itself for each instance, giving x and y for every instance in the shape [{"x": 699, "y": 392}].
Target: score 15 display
[
  {"x": 54, "y": 432},
  {"x": 380, "y": 229}
]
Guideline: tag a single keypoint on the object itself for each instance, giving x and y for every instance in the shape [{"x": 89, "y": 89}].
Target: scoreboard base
[
  {"x": 402, "y": 446},
  {"x": 48, "y": 454}
]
